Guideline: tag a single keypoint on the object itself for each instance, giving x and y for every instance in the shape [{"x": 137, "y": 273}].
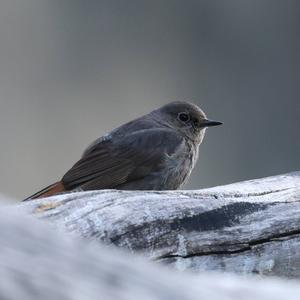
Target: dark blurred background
[{"x": 72, "y": 70}]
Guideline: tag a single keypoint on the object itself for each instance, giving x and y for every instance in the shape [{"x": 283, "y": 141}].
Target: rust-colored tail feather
[{"x": 50, "y": 190}]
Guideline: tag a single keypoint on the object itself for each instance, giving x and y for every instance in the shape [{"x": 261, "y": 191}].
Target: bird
[{"x": 157, "y": 151}]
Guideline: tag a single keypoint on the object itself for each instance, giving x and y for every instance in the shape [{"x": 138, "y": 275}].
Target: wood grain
[{"x": 251, "y": 227}]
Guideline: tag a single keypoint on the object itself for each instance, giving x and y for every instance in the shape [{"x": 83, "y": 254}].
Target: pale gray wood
[
  {"x": 38, "y": 263},
  {"x": 246, "y": 227}
]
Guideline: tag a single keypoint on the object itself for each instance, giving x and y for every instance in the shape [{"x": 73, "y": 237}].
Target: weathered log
[
  {"x": 38, "y": 263},
  {"x": 247, "y": 227}
]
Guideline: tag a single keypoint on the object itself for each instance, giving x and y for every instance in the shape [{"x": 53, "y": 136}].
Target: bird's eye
[{"x": 183, "y": 117}]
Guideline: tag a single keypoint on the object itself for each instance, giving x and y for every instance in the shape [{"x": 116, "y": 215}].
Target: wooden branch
[
  {"x": 247, "y": 227},
  {"x": 38, "y": 263}
]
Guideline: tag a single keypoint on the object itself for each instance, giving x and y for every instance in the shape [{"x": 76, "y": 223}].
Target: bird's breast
[{"x": 179, "y": 166}]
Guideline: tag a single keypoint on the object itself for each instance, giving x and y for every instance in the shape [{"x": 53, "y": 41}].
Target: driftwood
[
  {"x": 247, "y": 227},
  {"x": 38, "y": 263}
]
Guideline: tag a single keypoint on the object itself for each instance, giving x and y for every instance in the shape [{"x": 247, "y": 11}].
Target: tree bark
[
  {"x": 39, "y": 263},
  {"x": 246, "y": 227}
]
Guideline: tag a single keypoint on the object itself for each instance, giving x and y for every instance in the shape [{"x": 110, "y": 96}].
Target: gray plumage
[{"x": 154, "y": 152}]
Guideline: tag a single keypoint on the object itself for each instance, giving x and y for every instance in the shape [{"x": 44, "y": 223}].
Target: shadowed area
[{"x": 219, "y": 218}]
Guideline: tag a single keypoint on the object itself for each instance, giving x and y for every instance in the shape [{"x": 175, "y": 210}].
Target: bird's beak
[{"x": 210, "y": 123}]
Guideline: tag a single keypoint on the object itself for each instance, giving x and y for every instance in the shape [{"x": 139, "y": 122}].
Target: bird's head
[{"x": 185, "y": 117}]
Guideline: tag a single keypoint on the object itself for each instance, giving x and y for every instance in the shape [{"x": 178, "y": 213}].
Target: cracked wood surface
[
  {"x": 247, "y": 227},
  {"x": 39, "y": 263}
]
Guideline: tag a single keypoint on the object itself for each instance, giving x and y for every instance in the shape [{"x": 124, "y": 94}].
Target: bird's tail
[{"x": 53, "y": 189}]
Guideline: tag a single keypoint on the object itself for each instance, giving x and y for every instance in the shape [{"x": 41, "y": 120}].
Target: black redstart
[{"x": 154, "y": 152}]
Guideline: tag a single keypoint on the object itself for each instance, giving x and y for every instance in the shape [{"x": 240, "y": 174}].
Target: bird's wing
[{"x": 112, "y": 162}]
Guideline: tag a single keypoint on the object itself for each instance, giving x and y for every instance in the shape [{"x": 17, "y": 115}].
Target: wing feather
[{"x": 112, "y": 162}]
